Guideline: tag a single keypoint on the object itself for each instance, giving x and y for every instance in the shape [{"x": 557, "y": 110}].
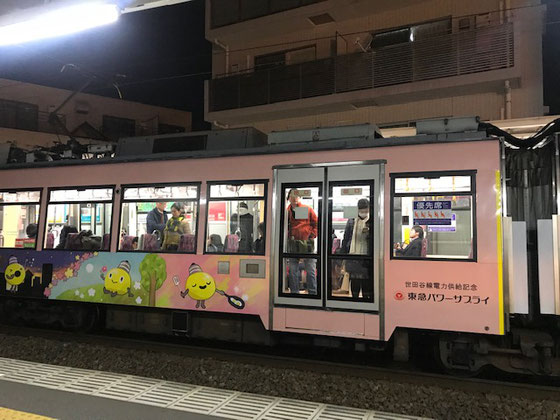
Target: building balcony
[{"x": 447, "y": 63}]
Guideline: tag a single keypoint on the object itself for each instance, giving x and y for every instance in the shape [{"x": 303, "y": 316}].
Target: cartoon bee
[
  {"x": 201, "y": 286},
  {"x": 14, "y": 274},
  {"x": 117, "y": 280}
]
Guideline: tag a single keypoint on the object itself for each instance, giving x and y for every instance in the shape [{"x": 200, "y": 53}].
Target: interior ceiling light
[{"x": 58, "y": 22}]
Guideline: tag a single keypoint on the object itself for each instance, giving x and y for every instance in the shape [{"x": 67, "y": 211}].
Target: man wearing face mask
[
  {"x": 357, "y": 241},
  {"x": 242, "y": 225}
]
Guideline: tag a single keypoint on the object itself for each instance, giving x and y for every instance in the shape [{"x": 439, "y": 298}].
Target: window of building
[
  {"x": 287, "y": 57},
  {"x": 79, "y": 219},
  {"x": 19, "y": 218},
  {"x": 411, "y": 33},
  {"x": 160, "y": 218},
  {"x": 170, "y": 129},
  {"x": 433, "y": 215},
  {"x": 19, "y": 115},
  {"x": 116, "y": 128},
  {"x": 235, "y": 219}
]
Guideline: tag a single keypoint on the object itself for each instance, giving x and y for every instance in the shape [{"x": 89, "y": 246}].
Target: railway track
[{"x": 265, "y": 357}]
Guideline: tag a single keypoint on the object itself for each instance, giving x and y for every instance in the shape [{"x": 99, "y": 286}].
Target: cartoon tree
[{"x": 153, "y": 272}]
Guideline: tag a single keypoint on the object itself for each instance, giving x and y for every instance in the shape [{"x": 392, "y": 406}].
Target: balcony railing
[
  {"x": 463, "y": 53},
  {"x": 228, "y": 12}
]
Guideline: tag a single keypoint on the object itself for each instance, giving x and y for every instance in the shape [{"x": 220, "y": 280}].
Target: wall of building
[
  {"x": 526, "y": 94},
  {"x": 90, "y": 108}
]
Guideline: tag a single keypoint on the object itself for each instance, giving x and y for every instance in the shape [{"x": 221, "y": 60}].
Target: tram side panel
[{"x": 451, "y": 294}]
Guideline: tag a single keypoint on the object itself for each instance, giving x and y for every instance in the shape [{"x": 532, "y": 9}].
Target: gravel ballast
[{"x": 383, "y": 395}]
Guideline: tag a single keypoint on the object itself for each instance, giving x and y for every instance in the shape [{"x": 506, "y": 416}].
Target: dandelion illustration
[
  {"x": 139, "y": 300},
  {"x": 91, "y": 292},
  {"x": 137, "y": 285}
]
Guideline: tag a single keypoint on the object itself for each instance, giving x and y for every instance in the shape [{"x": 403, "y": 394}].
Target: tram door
[{"x": 328, "y": 235}]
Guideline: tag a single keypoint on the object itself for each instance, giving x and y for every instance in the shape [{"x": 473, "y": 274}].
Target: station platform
[{"x": 38, "y": 391}]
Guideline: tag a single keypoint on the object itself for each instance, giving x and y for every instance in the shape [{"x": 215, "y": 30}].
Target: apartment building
[
  {"x": 295, "y": 64},
  {"x": 30, "y": 116}
]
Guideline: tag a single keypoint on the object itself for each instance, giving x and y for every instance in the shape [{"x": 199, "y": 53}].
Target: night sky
[
  {"x": 142, "y": 46},
  {"x": 169, "y": 42}
]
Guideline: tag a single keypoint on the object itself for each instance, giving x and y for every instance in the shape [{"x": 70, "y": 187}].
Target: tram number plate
[{"x": 351, "y": 191}]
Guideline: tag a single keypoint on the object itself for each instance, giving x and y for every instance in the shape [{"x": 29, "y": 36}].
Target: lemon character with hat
[
  {"x": 14, "y": 274},
  {"x": 117, "y": 280},
  {"x": 201, "y": 286}
]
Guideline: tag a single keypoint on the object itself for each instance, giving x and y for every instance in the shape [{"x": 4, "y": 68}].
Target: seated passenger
[
  {"x": 66, "y": 230},
  {"x": 135, "y": 243},
  {"x": 259, "y": 245},
  {"x": 31, "y": 230},
  {"x": 215, "y": 244},
  {"x": 414, "y": 248},
  {"x": 176, "y": 226}
]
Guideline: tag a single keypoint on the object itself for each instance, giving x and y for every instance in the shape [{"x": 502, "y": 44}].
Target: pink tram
[{"x": 299, "y": 237}]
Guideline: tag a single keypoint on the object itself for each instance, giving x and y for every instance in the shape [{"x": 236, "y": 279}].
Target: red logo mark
[{"x": 399, "y": 296}]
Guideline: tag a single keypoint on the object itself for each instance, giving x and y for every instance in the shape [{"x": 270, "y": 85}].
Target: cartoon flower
[
  {"x": 137, "y": 285},
  {"x": 55, "y": 282},
  {"x": 77, "y": 257},
  {"x": 96, "y": 253},
  {"x": 91, "y": 292},
  {"x": 139, "y": 300},
  {"x": 104, "y": 268},
  {"x": 69, "y": 273},
  {"x": 82, "y": 296},
  {"x": 77, "y": 293},
  {"x": 47, "y": 292}
]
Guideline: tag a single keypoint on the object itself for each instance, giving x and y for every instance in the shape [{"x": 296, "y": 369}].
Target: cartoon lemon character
[
  {"x": 201, "y": 286},
  {"x": 14, "y": 274},
  {"x": 117, "y": 280}
]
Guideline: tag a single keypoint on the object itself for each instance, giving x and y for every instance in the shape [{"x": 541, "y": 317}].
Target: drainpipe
[
  {"x": 508, "y": 10},
  {"x": 508, "y": 100},
  {"x": 502, "y": 12},
  {"x": 226, "y": 49}
]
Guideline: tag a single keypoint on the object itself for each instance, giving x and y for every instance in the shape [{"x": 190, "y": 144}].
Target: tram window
[
  {"x": 79, "y": 219},
  {"x": 433, "y": 216},
  {"x": 19, "y": 218},
  {"x": 351, "y": 247},
  {"x": 235, "y": 219},
  {"x": 160, "y": 218},
  {"x": 300, "y": 230}
]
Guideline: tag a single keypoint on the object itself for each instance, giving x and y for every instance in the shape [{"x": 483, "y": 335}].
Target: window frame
[
  {"x": 356, "y": 257},
  {"x": 317, "y": 256},
  {"x": 80, "y": 187},
  {"x": 16, "y": 190},
  {"x": 434, "y": 174},
  {"x": 123, "y": 187},
  {"x": 263, "y": 197}
]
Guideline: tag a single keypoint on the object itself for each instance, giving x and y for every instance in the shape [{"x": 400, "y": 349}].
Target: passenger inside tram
[
  {"x": 357, "y": 242},
  {"x": 259, "y": 245},
  {"x": 215, "y": 244},
  {"x": 242, "y": 225},
  {"x": 156, "y": 219},
  {"x": 176, "y": 227},
  {"x": 301, "y": 236},
  {"x": 414, "y": 247},
  {"x": 351, "y": 261}
]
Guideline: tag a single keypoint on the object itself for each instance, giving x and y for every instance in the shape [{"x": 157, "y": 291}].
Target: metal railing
[{"x": 480, "y": 50}]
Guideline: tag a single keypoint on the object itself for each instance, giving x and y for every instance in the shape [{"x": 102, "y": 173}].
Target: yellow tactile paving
[{"x": 7, "y": 414}]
